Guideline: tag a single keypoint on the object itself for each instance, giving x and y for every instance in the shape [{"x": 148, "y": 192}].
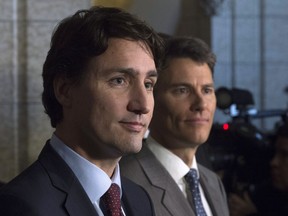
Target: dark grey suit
[
  {"x": 49, "y": 188},
  {"x": 144, "y": 169}
]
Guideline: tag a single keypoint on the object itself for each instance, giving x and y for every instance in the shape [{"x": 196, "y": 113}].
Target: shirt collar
[
  {"x": 173, "y": 164},
  {"x": 93, "y": 179}
]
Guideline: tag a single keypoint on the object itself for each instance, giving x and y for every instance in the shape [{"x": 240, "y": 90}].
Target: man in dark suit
[
  {"x": 185, "y": 103},
  {"x": 98, "y": 79}
]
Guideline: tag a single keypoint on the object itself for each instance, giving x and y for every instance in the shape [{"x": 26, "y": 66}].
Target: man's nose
[
  {"x": 198, "y": 102},
  {"x": 139, "y": 102}
]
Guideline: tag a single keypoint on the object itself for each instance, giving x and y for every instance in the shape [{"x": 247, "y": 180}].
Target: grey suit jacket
[
  {"x": 144, "y": 169},
  {"x": 50, "y": 188}
]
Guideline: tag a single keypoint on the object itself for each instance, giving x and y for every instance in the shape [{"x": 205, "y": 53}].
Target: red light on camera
[{"x": 225, "y": 126}]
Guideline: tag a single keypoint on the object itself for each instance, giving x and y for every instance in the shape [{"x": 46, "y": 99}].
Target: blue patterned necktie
[{"x": 193, "y": 182}]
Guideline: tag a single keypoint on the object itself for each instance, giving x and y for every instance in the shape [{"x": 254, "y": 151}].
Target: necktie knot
[
  {"x": 192, "y": 178},
  {"x": 111, "y": 200},
  {"x": 193, "y": 182}
]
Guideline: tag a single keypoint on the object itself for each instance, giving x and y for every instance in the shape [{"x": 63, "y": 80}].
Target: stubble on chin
[{"x": 129, "y": 144}]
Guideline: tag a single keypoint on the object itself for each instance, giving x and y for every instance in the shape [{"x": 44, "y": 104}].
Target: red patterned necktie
[{"x": 112, "y": 202}]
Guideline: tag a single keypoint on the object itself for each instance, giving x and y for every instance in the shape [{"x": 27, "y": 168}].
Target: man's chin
[{"x": 133, "y": 148}]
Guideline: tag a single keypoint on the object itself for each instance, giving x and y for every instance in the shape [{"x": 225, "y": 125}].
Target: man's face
[
  {"x": 112, "y": 106},
  {"x": 279, "y": 164},
  {"x": 184, "y": 104}
]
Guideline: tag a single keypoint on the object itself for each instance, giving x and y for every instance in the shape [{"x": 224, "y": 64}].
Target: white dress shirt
[
  {"x": 93, "y": 179},
  {"x": 176, "y": 168}
]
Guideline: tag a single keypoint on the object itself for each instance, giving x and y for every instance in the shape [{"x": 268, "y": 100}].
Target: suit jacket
[
  {"x": 144, "y": 169},
  {"x": 50, "y": 188}
]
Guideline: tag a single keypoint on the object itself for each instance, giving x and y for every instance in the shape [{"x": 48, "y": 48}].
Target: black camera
[{"x": 238, "y": 151}]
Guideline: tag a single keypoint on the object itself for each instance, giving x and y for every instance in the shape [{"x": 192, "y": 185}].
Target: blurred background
[{"x": 250, "y": 39}]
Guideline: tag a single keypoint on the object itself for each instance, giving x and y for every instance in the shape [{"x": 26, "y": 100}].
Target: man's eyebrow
[
  {"x": 132, "y": 72},
  {"x": 153, "y": 73},
  {"x": 188, "y": 84},
  {"x": 209, "y": 85},
  {"x": 180, "y": 84}
]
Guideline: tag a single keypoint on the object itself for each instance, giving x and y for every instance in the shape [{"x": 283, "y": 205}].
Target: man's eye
[
  {"x": 149, "y": 85},
  {"x": 181, "y": 90},
  {"x": 208, "y": 90},
  {"x": 118, "y": 81}
]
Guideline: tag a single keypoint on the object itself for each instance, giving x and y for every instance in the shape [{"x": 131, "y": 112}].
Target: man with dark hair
[
  {"x": 185, "y": 102},
  {"x": 271, "y": 197},
  {"x": 98, "y": 81}
]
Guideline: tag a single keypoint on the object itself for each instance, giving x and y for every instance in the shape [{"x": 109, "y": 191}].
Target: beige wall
[{"x": 25, "y": 27}]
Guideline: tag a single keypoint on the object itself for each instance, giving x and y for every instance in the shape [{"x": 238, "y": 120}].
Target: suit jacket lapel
[
  {"x": 76, "y": 200},
  {"x": 172, "y": 197},
  {"x": 211, "y": 193},
  {"x": 78, "y": 203}
]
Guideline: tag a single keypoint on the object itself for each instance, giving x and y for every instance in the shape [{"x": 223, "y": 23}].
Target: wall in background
[
  {"x": 249, "y": 38},
  {"x": 26, "y": 27}
]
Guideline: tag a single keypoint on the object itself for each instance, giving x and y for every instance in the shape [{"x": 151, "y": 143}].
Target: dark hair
[
  {"x": 282, "y": 131},
  {"x": 79, "y": 38},
  {"x": 189, "y": 47}
]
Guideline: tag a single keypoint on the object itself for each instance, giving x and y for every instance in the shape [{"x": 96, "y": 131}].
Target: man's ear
[{"x": 62, "y": 91}]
